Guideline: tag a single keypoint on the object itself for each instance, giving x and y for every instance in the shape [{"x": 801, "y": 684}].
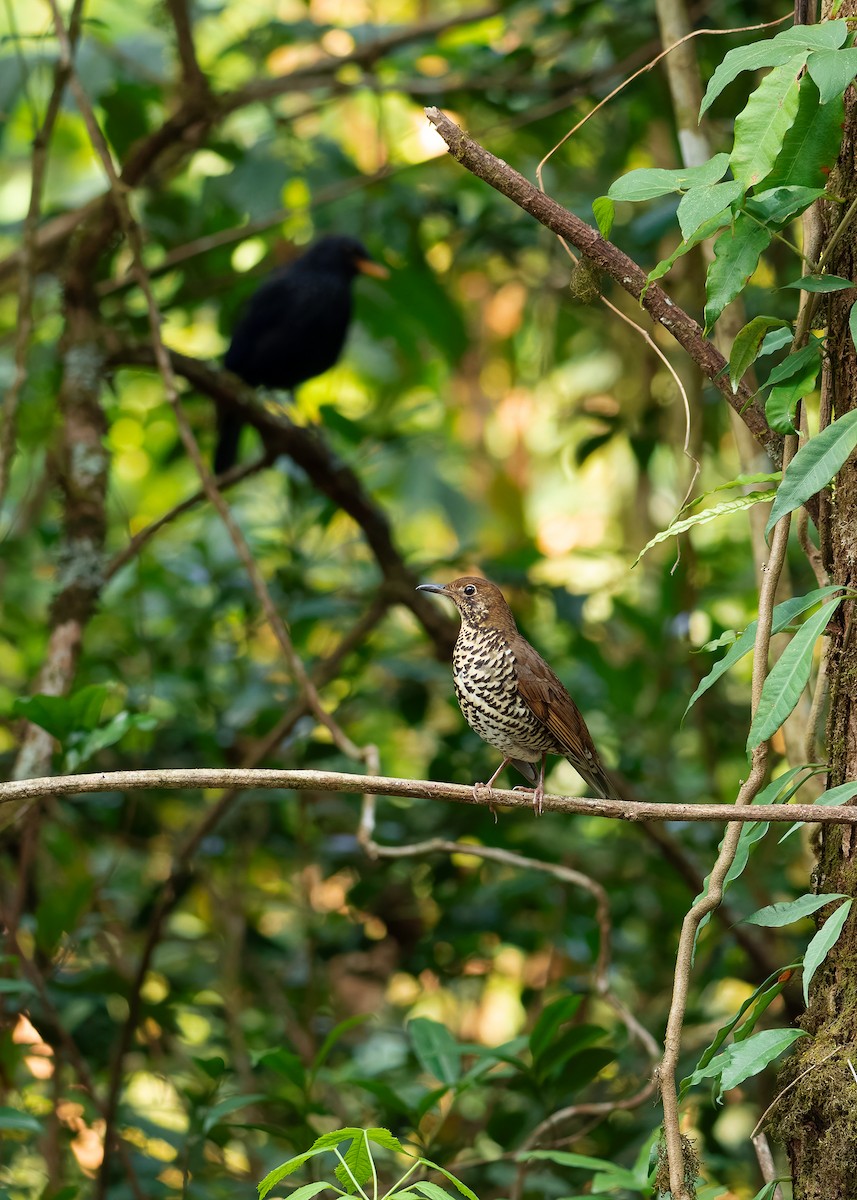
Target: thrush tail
[{"x": 598, "y": 779}]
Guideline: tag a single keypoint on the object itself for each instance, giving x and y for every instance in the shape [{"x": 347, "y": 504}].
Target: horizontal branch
[{"x": 417, "y": 789}]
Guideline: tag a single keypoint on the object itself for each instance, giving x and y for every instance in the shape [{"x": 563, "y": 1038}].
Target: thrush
[
  {"x": 294, "y": 326},
  {"x": 510, "y": 696}
]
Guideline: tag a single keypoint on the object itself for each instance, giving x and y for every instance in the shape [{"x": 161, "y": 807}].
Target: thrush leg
[
  {"x": 477, "y": 787},
  {"x": 539, "y": 793}
]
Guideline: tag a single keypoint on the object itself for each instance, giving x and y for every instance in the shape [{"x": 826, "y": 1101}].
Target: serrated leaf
[
  {"x": 779, "y": 205},
  {"x": 432, "y": 1190},
  {"x": 821, "y": 945},
  {"x": 747, "y": 344},
  {"x": 436, "y": 1049},
  {"x": 811, "y": 146},
  {"x": 604, "y": 211},
  {"x": 742, "y": 1060},
  {"x": 283, "y": 1170},
  {"x": 837, "y": 795},
  {"x": 309, "y": 1190},
  {"x": 782, "y": 401},
  {"x": 745, "y": 58},
  {"x": 821, "y": 283},
  {"x": 814, "y": 466},
  {"x": 832, "y": 71},
  {"x": 788, "y": 677},
  {"x": 786, "y": 912},
  {"x": 549, "y": 1021},
  {"x": 709, "y": 514},
  {"x": 700, "y": 204},
  {"x": 761, "y": 127},
  {"x": 784, "y": 614},
  {"x": 736, "y": 256}
]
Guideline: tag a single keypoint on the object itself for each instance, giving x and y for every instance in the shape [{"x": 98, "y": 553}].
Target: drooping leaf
[
  {"x": 700, "y": 204},
  {"x": 814, "y": 466},
  {"x": 736, "y": 256},
  {"x": 788, "y": 677},
  {"x": 773, "y": 916},
  {"x": 852, "y": 323},
  {"x": 821, "y": 945},
  {"x": 706, "y": 230},
  {"x": 743, "y": 1060},
  {"x": 836, "y": 795},
  {"x": 604, "y": 211},
  {"x": 779, "y": 205},
  {"x": 811, "y": 146},
  {"x": 747, "y": 343},
  {"x": 746, "y": 58},
  {"x": 457, "y": 1183},
  {"x": 762, "y": 126},
  {"x": 784, "y": 614},
  {"x": 782, "y": 400},
  {"x": 709, "y": 514},
  {"x": 821, "y": 283},
  {"x": 832, "y": 71},
  {"x": 794, "y": 363}
]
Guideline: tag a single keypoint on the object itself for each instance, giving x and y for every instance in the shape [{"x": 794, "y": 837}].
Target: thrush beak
[
  {"x": 432, "y": 587},
  {"x": 368, "y": 266}
]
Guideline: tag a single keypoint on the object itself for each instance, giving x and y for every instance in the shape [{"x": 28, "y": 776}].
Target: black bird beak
[
  {"x": 432, "y": 587},
  {"x": 368, "y": 266}
]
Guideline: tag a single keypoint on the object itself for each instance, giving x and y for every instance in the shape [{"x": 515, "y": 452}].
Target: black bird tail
[{"x": 229, "y": 426}]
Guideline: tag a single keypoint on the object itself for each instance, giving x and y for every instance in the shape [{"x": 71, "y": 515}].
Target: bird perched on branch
[
  {"x": 510, "y": 696},
  {"x": 294, "y": 326}
]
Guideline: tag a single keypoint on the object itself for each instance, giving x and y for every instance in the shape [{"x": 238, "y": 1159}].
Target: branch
[
  {"x": 328, "y": 473},
  {"x": 613, "y": 262},
  {"x": 174, "y": 779}
]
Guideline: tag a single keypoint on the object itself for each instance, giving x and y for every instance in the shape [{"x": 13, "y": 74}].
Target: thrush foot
[{"x": 481, "y": 793}]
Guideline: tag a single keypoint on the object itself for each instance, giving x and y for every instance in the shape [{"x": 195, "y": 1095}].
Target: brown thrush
[{"x": 510, "y": 696}]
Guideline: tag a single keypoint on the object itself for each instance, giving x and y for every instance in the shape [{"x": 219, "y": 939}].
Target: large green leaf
[
  {"x": 814, "y": 466},
  {"x": 700, "y": 204},
  {"x": 832, "y": 71},
  {"x": 786, "y": 912},
  {"x": 784, "y": 614},
  {"x": 779, "y": 205},
  {"x": 761, "y": 128},
  {"x": 782, "y": 400},
  {"x": 736, "y": 256},
  {"x": 743, "y": 1060},
  {"x": 821, "y": 945},
  {"x": 811, "y": 145},
  {"x": 747, "y": 58},
  {"x": 747, "y": 344},
  {"x": 436, "y": 1049},
  {"x": 788, "y": 677},
  {"x": 647, "y": 183}
]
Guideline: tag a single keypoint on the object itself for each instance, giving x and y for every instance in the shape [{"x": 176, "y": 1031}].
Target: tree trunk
[{"x": 817, "y": 1117}]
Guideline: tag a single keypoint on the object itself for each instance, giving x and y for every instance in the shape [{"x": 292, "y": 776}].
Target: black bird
[{"x": 294, "y": 326}]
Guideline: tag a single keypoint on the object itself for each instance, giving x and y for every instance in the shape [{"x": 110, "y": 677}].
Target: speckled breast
[{"x": 486, "y": 685}]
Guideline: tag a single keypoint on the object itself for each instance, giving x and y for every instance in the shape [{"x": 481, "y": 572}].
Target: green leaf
[
  {"x": 758, "y": 1002},
  {"x": 436, "y": 1049},
  {"x": 811, "y": 146},
  {"x": 604, "y": 211},
  {"x": 775, "y": 341},
  {"x": 60, "y": 716},
  {"x": 334, "y": 1036},
  {"x": 453, "y": 1179},
  {"x": 700, "y": 204},
  {"x": 821, "y": 945},
  {"x": 747, "y": 344},
  {"x": 772, "y": 916},
  {"x": 308, "y": 1190},
  {"x": 569, "y": 1045},
  {"x": 852, "y": 323},
  {"x": 821, "y": 283},
  {"x": 788, "y": 677},
  {"x": 742, "y": 1060},
  {"x": 736, "y": 256},
  {"x": 746, "y": 58},
  {"x": 231, "y": 1104},
  {"x": 793, "y": 363},
  {"x": 611, "y": 1176},
  {"x": 549, "y": 1020},
  {"x": 831, "y": 71},
  {"x": 283, "y": 1170},
  {"x": 432, "y": 1190},
  {"x": 19, "y": 1122},
  {"x": 814, "y": 465},
  {"x": 837, "y": 795},
  {"x": 784, "y": 614},
  {"x": 705, "y": 231},
  {"x": 782, "y": 401},
  {"x": 709, "y": 514},
  {"x": 768, "y": 1191},
  {"x": 356, "y": 1164},
  {"x": 764, "y": 122},
  {"x": 647, "y": 183},
  {"x": 779, "y": 205},
  {"x": 738, "y": 481},
  {"x": 829, "y": 35}
]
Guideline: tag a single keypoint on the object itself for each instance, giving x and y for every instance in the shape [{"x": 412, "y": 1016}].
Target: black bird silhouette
[{"x": 293, "y": 327}]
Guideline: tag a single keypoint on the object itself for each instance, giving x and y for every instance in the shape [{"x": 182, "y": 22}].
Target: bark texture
[{"x": 817, "y": 1117}]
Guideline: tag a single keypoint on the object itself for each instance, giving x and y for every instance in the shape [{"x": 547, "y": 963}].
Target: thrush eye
[{"x": 470, "y": 590}]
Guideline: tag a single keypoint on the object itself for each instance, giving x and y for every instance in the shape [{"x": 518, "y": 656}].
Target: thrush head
[{"x": 480, "y": 602}]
